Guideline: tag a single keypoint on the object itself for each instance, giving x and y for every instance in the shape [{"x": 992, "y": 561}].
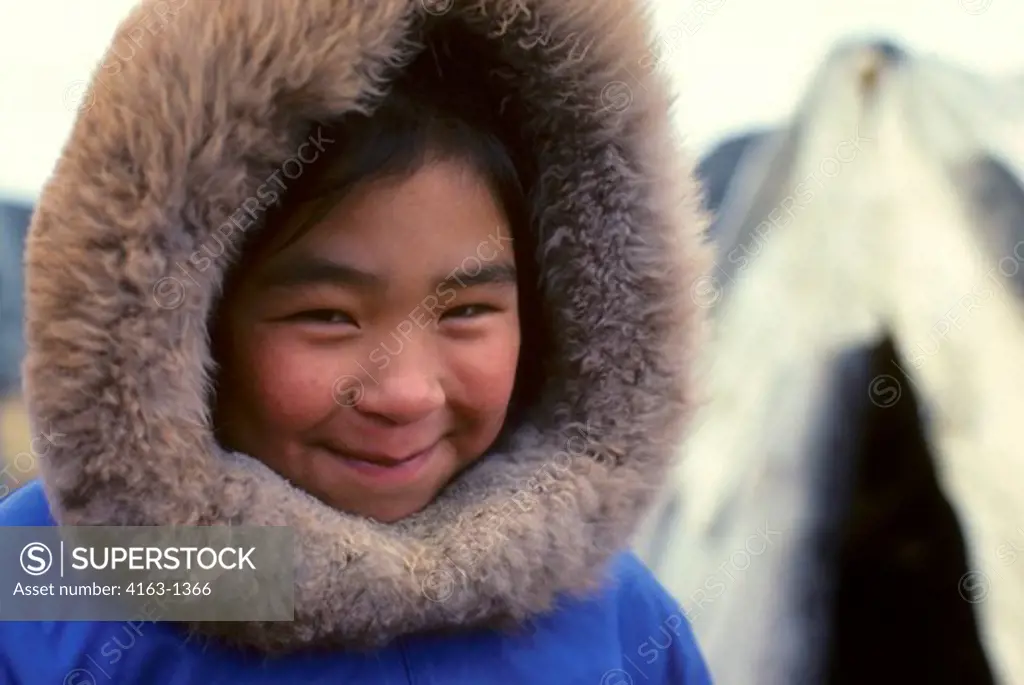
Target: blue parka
[
  {"x": 198, "y": 119},
  {"x": 630, "y": 631}
]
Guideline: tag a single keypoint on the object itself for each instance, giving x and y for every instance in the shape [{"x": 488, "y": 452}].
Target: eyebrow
[
  {"x": 500, "y": 273},
  {"x": 312, "y": 270}
]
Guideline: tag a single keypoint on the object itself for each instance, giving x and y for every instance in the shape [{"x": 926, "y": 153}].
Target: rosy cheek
[
  {"x": 484, "y": 374},
  {"x": 290, "y": 383}
]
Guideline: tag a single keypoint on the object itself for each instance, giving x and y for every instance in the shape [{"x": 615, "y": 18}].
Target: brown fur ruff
[{"x": 180, "y": 133}]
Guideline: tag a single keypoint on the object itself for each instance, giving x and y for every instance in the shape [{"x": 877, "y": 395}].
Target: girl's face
[{"x": 373, "y": 358}]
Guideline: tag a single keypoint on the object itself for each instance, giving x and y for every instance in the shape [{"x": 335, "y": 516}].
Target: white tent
[{"x": 892, "y": 201}]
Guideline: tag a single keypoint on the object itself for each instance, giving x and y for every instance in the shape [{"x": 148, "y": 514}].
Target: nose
[{"x": 402, "y": 388}]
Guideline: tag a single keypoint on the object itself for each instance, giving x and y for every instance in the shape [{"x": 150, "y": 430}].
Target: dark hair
[
  {"x": 436, "y": 110},
  {"x": 420, "y": 121}
]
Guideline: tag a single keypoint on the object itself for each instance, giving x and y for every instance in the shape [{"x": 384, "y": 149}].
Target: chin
[{"x": 382, "y": 507}]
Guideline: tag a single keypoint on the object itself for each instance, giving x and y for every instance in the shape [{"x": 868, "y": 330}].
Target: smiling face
[{"x": 374, "y": 357}]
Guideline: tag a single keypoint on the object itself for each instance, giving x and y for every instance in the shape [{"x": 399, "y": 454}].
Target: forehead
[{"x": 439, "y": 215}]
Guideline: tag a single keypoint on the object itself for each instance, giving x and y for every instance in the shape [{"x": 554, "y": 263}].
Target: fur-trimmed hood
[{"x": 195, "y": 106}]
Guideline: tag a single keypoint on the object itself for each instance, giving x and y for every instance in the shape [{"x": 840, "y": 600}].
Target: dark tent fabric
[
  {"x": 718, "y": 167},
  {"x": 14, "y": 220},
  {"x": 899, "y": 551},
  {"x": 996, "y": 198}
]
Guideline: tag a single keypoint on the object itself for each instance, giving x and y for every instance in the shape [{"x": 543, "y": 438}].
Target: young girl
[{"x": 409, "y": 280}]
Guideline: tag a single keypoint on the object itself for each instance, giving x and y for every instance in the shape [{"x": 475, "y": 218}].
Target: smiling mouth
[{"x": 384, "y": 461}]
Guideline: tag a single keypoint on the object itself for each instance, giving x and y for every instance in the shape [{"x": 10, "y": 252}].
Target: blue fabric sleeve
[
  {"x": 25, "y": 506},
  {"x": 659, "y": 647}
]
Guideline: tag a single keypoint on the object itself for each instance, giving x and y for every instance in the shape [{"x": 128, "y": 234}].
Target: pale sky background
[{"x": 746, "y": 65}]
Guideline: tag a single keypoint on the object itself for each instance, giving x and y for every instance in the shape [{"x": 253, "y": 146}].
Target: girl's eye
[
  {"x": 325, "y": 316},
  {"x": 468, "y": 311}
]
